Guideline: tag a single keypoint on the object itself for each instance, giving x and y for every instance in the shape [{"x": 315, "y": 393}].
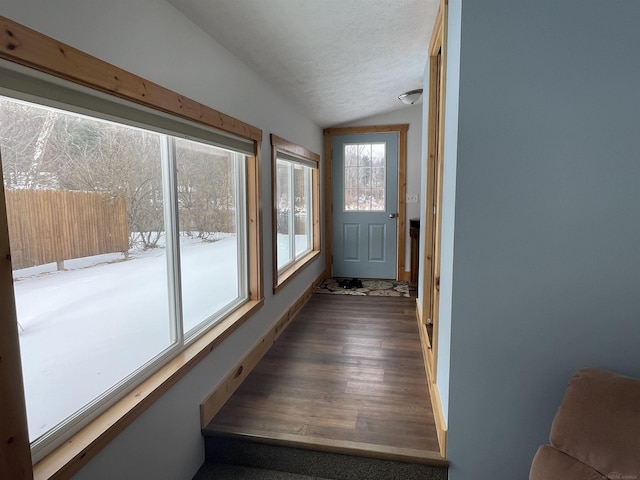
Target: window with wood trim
[
  {"x": 296, "y": 208},
  {"x": 129, "y": 240}
]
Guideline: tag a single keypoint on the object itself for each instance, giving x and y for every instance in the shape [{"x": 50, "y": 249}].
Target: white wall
[
  {"x": 546, "y": 259},
  {"x": 411, "y": 115},
  {"x": 150, "y": 38}
]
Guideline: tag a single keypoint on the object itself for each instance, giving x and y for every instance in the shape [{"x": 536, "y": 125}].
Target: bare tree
[
  {"x": 32, "y": 139},
  {"x": 122, "y": 161},
  {"x": 206, "y": 190},
  {"x": 48, "y": 148}
]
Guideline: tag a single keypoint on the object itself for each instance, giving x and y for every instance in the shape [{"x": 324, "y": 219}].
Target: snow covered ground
[
  {"x": 284, "y": 255},
  {"x": 85, "y": 329}
]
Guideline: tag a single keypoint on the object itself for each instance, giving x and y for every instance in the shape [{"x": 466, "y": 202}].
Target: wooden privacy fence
[{"x": 48, "y": 226}]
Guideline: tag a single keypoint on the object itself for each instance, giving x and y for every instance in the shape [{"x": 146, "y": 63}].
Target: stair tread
[
  {"x": 221, "y": 471},
  {"x": 313, "y": 464},
  {"x": 325, "y": 445}
]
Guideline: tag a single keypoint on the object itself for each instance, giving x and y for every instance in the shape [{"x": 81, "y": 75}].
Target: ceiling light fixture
[{"x": 410, "y": 97}]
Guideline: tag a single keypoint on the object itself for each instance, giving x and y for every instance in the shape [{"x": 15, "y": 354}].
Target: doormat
[{"x": 374, "y": 288}]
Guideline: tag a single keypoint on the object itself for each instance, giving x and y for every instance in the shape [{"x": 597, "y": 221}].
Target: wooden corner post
[{"x": 15, "y": 451}]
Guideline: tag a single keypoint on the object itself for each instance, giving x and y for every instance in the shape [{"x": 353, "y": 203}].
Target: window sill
[
  {"x": 71, "y": 456},
  {"x": 280, "y": 280}
]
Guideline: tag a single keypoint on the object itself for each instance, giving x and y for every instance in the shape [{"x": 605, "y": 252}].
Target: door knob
[{"x": 393, "y": 215}]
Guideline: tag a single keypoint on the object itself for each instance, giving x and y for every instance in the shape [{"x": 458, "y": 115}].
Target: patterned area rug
[{"x": 374, "y": 288}]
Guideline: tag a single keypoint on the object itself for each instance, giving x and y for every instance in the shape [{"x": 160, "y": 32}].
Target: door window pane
[{"x": 364, "y": 175}]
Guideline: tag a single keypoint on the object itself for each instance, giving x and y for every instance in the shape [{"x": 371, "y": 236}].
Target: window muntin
[
  {"x": 91, "y": 326},
  {"x": 365, "y": 177},
  {"x": 294, "y": 212}
]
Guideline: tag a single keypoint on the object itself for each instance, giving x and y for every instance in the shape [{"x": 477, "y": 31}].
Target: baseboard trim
[
  {"x": 225, "y": 388},
  {"x": 419, "y": 309},
  {"x": 434, "y": 394},
  {"x": 438, "y": 415},
  {"x": 427, "y": 352}
]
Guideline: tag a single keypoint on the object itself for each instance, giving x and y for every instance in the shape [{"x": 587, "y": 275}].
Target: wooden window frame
[
  {"x": 26, "y": 47},
  {"x": 280, "y": 279}
]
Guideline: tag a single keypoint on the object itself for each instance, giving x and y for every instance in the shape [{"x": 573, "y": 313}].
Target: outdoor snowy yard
[{"x": 84, "y": 329}]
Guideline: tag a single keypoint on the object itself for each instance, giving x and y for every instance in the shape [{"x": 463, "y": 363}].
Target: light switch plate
[{"x": 412, "y": 198}]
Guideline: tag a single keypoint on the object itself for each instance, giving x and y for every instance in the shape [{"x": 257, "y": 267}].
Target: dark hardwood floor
[{"x": 347, "y": 375}]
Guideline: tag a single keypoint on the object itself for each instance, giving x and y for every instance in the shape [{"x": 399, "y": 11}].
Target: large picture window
[
  {"x": 116, "y": 247},
  {"x": 126, "y": 243},
  {"x": 296, "y": 208}
]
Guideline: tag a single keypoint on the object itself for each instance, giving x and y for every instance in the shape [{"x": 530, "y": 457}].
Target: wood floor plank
[
  {"x": 357, "y": 387},
  {"x": 359, "y": 403},
  {"x": 375, "y": 438},
  {"x": 401, "y": 425},
  {"x": 347, "y": 370},
  {"x": 303, "y": 414}
]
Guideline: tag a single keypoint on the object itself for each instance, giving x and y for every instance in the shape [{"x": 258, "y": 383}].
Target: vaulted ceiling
[{"x": 340, "y": 60}]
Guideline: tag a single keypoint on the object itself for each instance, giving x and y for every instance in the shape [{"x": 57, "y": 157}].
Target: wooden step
[
  {"x": 325, "y": 445},
  {"x": 329, "y": 461},
  {"x": 220, "y": 471}
]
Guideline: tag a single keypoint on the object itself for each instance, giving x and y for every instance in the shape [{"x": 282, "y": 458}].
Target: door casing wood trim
[
  {"x": 429, "y": 293},
  {"x": 428, "y": 300},
  {"x": 15, "y": 452},
  {"x": 329, "y": 133}
]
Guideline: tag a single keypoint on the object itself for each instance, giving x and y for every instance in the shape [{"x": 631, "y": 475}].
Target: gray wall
[
  {"x": 546, "y": 256},
  {"x": 152, "y": 39}
]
